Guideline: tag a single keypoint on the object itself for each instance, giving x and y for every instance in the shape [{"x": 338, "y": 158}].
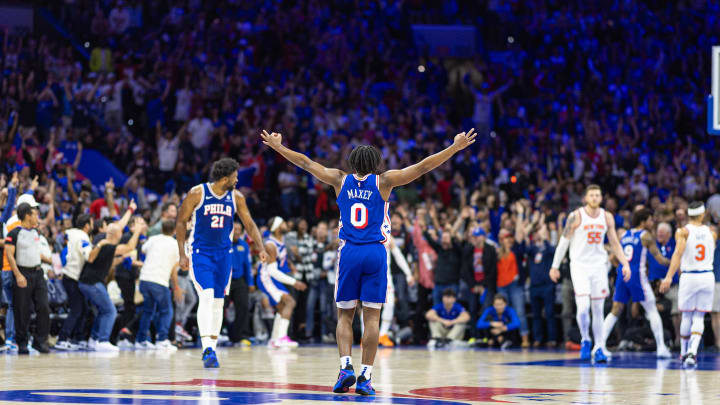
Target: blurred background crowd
[{"x": 562, "y": 93}]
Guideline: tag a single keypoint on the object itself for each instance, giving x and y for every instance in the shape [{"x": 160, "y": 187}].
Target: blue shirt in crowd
[
  {"x": 241, "y": 263},
  {"x": 453, "y": 313},
  {"x": 509, "y": 318},
  {"x": 716, "y": 262},
  {"x": 657, "y": 271},
  {"x": 539, "y": 262}
]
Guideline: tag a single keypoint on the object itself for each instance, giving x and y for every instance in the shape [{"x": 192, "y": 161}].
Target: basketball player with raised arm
[
  {"x": 362, "y": 197},
  {"x": 694, "y": 253},
  {"x": 636, "y": 242},
  {"x": 584, "y": 234},
  {"x": 210, "y": 209}
]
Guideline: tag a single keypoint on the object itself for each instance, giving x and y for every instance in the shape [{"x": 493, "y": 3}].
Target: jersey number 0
[{"x": 359, "y": 215}]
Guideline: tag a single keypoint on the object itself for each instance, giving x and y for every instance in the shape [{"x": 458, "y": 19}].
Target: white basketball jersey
[
  {"x": 699, "y": 250},
  {"x": 587, "y": 245}
]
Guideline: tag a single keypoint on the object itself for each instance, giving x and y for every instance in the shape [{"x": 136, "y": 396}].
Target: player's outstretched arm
[
  {"x": 649, "y": 242},
  {"x": 615, "y": 246},
  {"x": 244, "y": 214},
  {"x": 186, "y": 209},
  {"x": 329, "y": 176},
  {"x": 396, "y": 178},
  {"x": 680, "y": 243}
]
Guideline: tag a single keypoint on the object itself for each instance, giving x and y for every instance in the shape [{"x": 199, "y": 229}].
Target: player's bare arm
[
  {"x": 333, "y": 177},
  {"x": 563, "y": 244},
  {"x": 615, "y": 246},
  {"x": 186, "y": 209},
  {"x": 680, "y": 243},
  {"x": 396, "y": 178},
  {"x": 252, "y": 229},
  {"x": 649, "y": 242}
]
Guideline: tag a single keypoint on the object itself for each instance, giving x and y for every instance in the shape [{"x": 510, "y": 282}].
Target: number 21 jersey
[
  {"x": 212, "y": 220},
  {"x": 364, "y": 214}
]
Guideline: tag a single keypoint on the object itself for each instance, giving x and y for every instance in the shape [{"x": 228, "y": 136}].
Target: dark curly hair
[
  {"x": 365, "y": 159},
  {"x": 223, "y": 168}
]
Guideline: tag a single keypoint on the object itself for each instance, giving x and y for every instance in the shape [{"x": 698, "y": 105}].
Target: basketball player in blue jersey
[
  {"x": 210, "y": 208},
  {"x": 271, "y": 277},
  {"x": 361, "y": 272},
  {"x": 636, "y": 242}
]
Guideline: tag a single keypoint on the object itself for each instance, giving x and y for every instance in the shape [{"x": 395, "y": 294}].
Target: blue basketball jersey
[
  {"x": 212, "y": 221},
  {"x": 281, "y": 257},
  {"x": 364, "y": 214},
  {"x": 635, "y": 252}
]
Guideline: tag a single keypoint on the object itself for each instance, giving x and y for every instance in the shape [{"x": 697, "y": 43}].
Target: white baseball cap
[{"x": 27, "y": 199}]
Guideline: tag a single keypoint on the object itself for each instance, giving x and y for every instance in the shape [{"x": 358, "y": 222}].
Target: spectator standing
[
  {"x": 542, "y": 290},
  {"x": 168, "y": 213},
  {"x": 447, "y": 321},
  {"x": 499, "y": 323},
  {"x": 7, "y": 275},
  {"x": 656, "y": 272},
  {"x": 241, "y": 286},
  {"x": 22, "y": 249},
  {"x": 92, "y": 282},
  {"x": 311, "y": 251},
  {"x": 480, "y": 272},
  {"x": 78, "y": 252},
  {"x": 510, "y": 277},
  {"x": 126, "y": 275},
  {"x": 159, "y": 268},
  {"x": 447, "y": 267}
]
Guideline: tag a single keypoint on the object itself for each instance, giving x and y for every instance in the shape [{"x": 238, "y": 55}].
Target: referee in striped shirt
[{"x": 22, "y": 245}]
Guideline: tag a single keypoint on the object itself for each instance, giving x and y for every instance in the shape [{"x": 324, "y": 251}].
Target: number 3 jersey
[
  {"x": 587, "y": 246},
  {"x": 364, "y": 214},
  {"x": 212, "y": 221},
  {"x": 699, "y": 250}
]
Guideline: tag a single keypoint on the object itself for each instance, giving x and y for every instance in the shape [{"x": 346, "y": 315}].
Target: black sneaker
[
  {"x": 41, "y": 347},
  {"x": 23, "y": 349}
]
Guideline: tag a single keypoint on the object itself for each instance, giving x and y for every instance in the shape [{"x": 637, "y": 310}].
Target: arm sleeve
[
  {"x": 11, "y": 238},
  {"x": 10, "y": 205},
  {"x": 279, "y": 275},
  {"x": 432, "y": 242},
  {"x": 400, "y": 260},
  {"x": 560, "y": 252}
]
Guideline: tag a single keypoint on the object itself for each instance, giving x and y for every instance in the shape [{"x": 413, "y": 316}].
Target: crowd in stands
[{"x": 563, "y": 94}]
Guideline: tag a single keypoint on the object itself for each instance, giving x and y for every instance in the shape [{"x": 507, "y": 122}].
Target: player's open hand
[
  {"x": 465, "y": 139},
  {"x": 626, "y": 273},
  {"x": 554, "y": 275},
  {"x": 273, "y": 140},
  {"x": 665, "y": 285}
]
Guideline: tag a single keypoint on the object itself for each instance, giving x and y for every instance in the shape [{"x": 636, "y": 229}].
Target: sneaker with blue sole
[
  {"x": 346, "y": 379},
  {"x": 585, "y": 350},
  {"x": 600, "y": 356},
  {"x": 364, "y": 386},
  {"x": 210, "y": 358}
]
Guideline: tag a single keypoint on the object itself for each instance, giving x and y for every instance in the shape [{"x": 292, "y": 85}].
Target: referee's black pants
[{"x": 35, "y": 294}]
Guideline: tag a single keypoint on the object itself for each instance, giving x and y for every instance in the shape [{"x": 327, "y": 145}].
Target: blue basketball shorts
[
  {"x": 211, "y": 269},
  {"x": 272, "y": 288},
  {"x": 637, "y": 288},
  {"x": 361, "y": 274}
]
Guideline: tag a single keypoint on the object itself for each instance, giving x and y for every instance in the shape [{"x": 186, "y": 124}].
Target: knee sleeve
[
  {"x": 686, "y": 325},
  {"x": 698, "y": 323}
]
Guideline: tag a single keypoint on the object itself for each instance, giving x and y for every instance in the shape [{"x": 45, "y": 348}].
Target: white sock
[
  {"x": 608, "y": 326},
  {"x": 276, "y": 327},
  {"x": 213, "y": 343},
  {"x": 698, "y": 327},
  {"x": 583, "y": 316},
  {"x": 598, "y": 318},
  {"x": 283, "y": 329},
  {"x": 652, "y": 315},
  {"x": 345, "y": 361},
  {"x": 366, "y": 371},
  {"x": 205, "y": 316},
  {"x": 207, "y": 341},
  {"x": 685, "y": 330}
]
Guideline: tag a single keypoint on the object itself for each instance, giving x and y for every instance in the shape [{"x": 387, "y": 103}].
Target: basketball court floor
[{"x": 402, "y": 376}]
